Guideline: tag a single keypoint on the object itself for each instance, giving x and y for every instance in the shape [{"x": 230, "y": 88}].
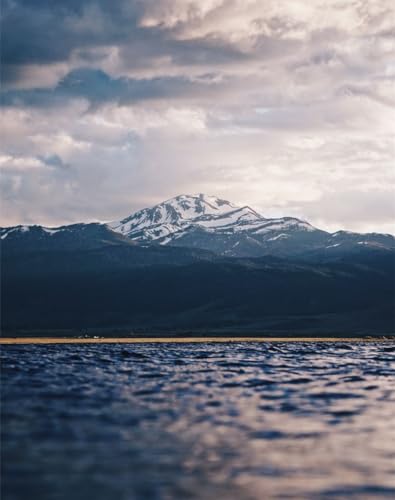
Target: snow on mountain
[
  {"x": 177, "y": 214},
  {"x": 6, "y": 231},
  {"x": 15, "y": 231},
  {"x": 173, "y": 218}
]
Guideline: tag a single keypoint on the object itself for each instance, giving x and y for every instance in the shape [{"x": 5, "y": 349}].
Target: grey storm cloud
[
  {"x": 45, "y": 31},
  {"x": 49, "y": 32},
  {"x": 108, "y": 106}
]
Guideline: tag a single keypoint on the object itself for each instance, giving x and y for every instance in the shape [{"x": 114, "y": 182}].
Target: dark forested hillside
[{"x": 156, "y": 288}]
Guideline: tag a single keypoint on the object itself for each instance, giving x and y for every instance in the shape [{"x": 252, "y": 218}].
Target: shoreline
[{"x": 181, "y": 340}]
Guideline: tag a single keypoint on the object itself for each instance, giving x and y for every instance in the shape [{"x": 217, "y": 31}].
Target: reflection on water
[{"x": 177, "y": 421}]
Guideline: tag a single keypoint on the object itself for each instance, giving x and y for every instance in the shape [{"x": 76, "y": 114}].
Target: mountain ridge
[{"x": 212, "y": 224}]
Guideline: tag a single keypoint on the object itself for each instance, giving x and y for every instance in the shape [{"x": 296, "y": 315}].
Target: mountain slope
[
  {"x": 80, "y": 247},
  {"x": 91, "y": 289},
  {"x": 207, "y": 222},
  {"x": 66, "y": 238}
]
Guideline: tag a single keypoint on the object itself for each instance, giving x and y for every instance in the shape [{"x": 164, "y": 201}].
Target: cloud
[
  {"x": 111, "y": 106},
  {"x": 53, "y": 161},
  {"x": 97, "y": 88}
]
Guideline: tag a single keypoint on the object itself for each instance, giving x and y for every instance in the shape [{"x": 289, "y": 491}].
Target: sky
[{"x": 284, "y": 105}]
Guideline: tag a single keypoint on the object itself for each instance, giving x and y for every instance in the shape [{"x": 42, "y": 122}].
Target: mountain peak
[
  {"x": 175, "y": 217},
  {"x": 200, "y": 203}
]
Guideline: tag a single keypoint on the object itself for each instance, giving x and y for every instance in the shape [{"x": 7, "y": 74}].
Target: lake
[{"x": 200, "y": 421}]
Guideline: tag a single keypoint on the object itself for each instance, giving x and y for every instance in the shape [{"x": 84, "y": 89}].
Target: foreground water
[{"x": 206, "y": 421}]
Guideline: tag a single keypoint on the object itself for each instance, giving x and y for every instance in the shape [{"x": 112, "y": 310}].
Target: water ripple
[{"x": 200, "y": 421}]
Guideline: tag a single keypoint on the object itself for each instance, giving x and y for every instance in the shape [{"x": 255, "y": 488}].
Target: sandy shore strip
[{"x": 181, "y": 340}]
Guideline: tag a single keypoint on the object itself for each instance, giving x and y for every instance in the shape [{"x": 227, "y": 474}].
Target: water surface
[{"x": 200, "y": 421}]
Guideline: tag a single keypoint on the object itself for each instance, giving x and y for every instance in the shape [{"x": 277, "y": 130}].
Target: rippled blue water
[{"x": 207, "y": 421}]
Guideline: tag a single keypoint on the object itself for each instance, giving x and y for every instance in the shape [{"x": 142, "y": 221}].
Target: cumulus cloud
[{"x": 111, "y": 106}]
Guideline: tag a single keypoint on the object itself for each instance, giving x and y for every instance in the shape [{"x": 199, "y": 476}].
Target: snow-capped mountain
[
  {"x": 174, "y": 217},
  {"x": 207, "y": 222}
]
